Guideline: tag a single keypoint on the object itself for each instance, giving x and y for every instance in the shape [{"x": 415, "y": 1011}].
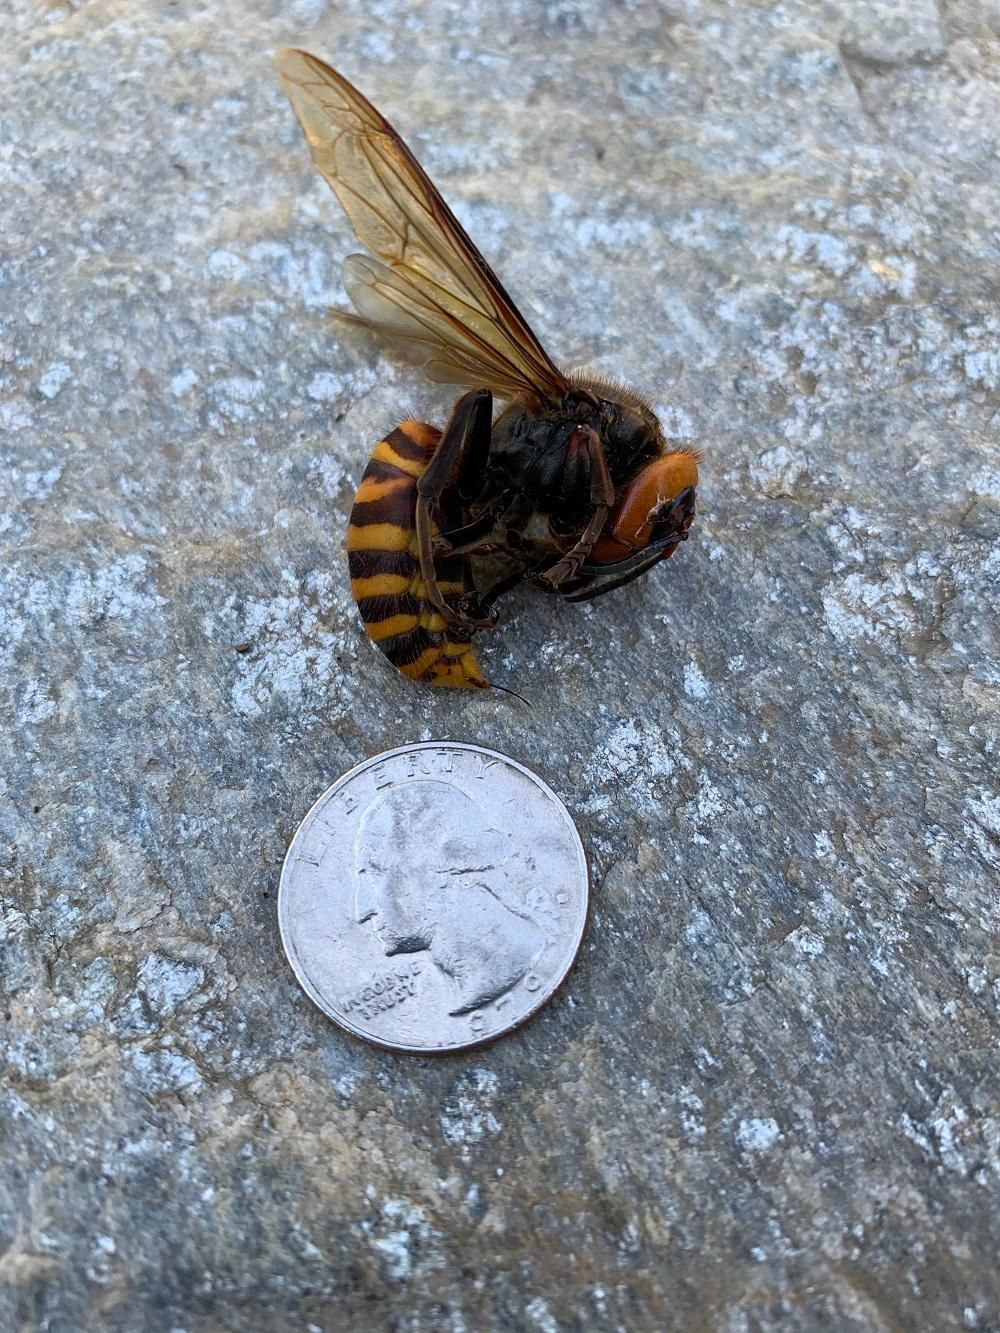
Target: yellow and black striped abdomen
[{"x": 385, "y": 567}]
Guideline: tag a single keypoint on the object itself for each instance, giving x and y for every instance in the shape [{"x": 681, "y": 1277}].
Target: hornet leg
[
  {"x": 590, "y": 587},
  {"x": 471, "y": 539},
  {"x": 594, "y": 582},
  {"x": 466, "y": 441},
  {"x": 668, "y": 532},
  {"x": 584, "y": 450}
]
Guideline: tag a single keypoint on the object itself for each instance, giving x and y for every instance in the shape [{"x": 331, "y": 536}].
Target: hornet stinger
[{"x": 572, "y": 487}]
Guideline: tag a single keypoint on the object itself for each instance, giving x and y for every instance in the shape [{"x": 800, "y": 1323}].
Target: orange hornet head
[{"x": 657, "y": 503}]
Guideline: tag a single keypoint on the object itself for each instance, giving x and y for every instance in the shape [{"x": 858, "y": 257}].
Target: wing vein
[{"x": 426, "y": 274}]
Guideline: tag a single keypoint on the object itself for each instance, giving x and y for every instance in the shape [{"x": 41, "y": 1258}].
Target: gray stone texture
[{"x": 768, "y": 1097}]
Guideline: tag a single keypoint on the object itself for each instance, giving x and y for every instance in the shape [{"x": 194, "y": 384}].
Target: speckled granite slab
[{"x": 768, "y": 1098}]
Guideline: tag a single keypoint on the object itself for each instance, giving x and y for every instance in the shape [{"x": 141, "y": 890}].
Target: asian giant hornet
[{"x": 572, "y": 488}]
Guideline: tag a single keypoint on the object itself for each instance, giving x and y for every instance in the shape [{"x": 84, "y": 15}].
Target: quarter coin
[{"x": 434, "y": 897}]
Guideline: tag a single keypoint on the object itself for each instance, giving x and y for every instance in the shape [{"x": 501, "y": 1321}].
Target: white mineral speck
[
  {"x": 324, "y": 386},
  {"x": 758, "y": 1134},
  {"x": 395, "y": 1249},
  {"x": 468, "y": 1116},
  {"x": 823, "y": 844},
  {"x": 54, "y": 378},
  {"x": 540, "y": 1315},
  {"x": 183, "y": 381},
  {"x": 695, "y": 684},
  {"x": 224, "y": 264}
]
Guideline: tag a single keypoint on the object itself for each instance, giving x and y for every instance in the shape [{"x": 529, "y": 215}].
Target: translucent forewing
[{"x": 428, "y": 288}]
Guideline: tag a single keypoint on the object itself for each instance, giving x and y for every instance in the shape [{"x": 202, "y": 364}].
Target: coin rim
[{"x": 287, "y": 870}]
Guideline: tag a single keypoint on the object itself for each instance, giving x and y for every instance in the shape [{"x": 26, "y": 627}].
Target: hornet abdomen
[{"x": 385, "y": 567}]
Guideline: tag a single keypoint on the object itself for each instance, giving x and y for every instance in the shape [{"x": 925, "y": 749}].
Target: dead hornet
[{"x": 572, "y": 488}]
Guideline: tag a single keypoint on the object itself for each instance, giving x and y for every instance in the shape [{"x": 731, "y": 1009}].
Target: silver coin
[{"x": 434, "y": 897}]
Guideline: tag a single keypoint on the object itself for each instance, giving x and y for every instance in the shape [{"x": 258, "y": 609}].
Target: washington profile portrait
[{"x": 429, "y": 876}]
